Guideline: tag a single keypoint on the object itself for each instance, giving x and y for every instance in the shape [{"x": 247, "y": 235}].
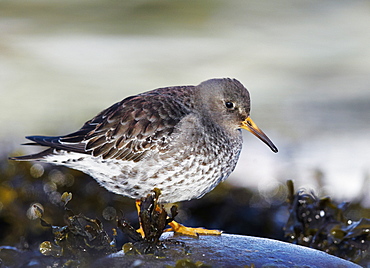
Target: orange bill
[{"x": 249, "y": 125}]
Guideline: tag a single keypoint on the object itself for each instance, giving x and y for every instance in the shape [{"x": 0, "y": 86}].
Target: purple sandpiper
[{"x": 183, "y": 140}]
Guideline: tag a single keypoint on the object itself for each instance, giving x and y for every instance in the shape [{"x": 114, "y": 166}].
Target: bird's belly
[{"x": 179, "y": 177}]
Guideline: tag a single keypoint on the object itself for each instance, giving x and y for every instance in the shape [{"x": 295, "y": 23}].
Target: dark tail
[
  {"x": 53, "y": 142},
  {"x": 33, "y": 157}
]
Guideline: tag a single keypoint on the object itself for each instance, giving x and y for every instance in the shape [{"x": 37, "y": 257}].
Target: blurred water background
[{"x": 306, "y": 64}]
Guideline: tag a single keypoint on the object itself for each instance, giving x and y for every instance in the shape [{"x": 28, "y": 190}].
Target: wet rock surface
[{"x": 226, "y": 251}]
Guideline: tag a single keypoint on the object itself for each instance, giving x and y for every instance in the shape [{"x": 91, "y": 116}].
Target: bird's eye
[{"x": 229, "y": 105}]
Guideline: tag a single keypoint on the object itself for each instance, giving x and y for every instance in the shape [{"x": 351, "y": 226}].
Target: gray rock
[{"x": 229, "y": 251}]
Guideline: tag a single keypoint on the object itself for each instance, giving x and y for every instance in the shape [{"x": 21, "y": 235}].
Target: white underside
[{"x": 179, "y": 178}]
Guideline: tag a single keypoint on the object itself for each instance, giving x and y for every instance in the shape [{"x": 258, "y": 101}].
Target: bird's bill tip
[{"x": 249, "y": 125}]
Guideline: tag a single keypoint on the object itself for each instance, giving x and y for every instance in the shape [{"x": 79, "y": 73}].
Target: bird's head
[{"x": 227, "y": 102}]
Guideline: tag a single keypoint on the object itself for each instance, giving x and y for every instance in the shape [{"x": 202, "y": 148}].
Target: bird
[{"x": 183, "y": 140}]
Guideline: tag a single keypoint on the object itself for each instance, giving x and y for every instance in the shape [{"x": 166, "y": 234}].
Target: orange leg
[{"x": 140, "y": 230}]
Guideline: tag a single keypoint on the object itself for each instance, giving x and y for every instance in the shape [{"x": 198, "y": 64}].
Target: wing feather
[{"x": 129, "y": 129}]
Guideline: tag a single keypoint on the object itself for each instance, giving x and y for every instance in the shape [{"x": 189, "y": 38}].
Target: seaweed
[
  {"x": 80, "y": 241},
  {"x": 320, "y": 223},
  {"x": 153, "y": 221}
]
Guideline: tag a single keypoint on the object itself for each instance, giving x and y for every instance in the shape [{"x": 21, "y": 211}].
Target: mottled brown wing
[{"x": 128, "y": 130}]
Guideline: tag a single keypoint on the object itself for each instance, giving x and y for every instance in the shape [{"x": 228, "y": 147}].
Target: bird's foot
[
  {"x": 178, "y": 228},
  {"x": 141, "y": 231}
]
